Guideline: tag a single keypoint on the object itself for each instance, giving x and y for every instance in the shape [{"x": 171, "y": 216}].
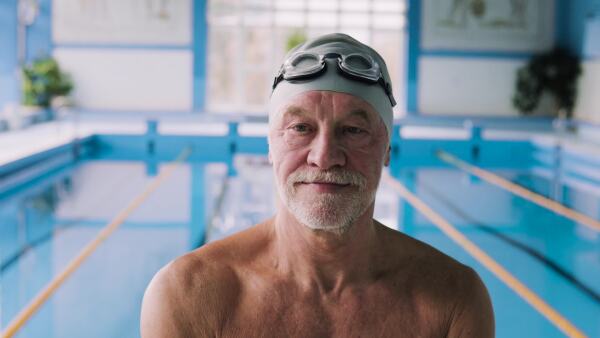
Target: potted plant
[
  {"x": 43, "y": 83},
  {"x": 554, "y": 72}
]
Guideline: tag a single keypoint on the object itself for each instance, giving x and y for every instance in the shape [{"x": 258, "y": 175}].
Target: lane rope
[
  {"x": 57, "y": 229},
  {"x": 22, "y": 317},
  {"x": 522, "y": 246},
  {"x": 518, "y": 190},
  {"x": 488, "y": 262}
]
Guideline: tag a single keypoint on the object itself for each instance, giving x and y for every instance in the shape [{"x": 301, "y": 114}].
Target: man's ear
[{"x": 386, "y": 161}]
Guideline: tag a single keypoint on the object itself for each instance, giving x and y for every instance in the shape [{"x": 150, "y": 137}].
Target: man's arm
[
  {"x": 473, "y": 316},
  {"x": 162, "y": 315},
  {"x": 190, "y": 297}
]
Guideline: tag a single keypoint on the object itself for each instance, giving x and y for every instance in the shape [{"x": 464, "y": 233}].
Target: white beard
[{"x": 331, "y": 212}]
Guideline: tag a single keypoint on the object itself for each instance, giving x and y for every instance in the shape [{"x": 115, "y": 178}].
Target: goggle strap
[{"x": 277, "y": 79}]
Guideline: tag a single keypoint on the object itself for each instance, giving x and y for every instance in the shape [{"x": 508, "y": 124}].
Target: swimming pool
[{"x": 48, "y": 216}]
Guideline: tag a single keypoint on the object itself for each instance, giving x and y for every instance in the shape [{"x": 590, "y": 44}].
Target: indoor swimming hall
[{"x": 133, "y": 132}]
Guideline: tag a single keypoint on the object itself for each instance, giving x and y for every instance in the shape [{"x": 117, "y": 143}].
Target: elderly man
[{"x": 322, "y": 266}]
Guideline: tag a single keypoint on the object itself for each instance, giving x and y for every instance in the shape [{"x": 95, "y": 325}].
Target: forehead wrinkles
[
  {"x": 315, "y": 104},
  {"x": 324, "y": 105},
  {"x": 310, "y": 105}
]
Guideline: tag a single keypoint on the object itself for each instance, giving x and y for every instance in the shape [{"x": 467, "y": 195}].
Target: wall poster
[
  {"x": 142, "y": 22},
  {"x": 488, "y": 25}
]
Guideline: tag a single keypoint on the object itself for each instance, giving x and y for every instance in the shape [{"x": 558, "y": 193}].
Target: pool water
[{"x": 44, "y": 225}]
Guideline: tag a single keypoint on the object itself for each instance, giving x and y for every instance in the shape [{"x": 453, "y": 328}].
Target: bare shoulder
[
  {"x": 440, "y": 282},
  {"x": 193, "y": 295},
  {"x": 423, "y": 259},
  {"x": 473, "y": 315},
  {"x": 191, "y": 286}
]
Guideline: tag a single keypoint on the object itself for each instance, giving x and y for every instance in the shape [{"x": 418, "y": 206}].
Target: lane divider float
[
  {"x": 22, "y": 317},
  {"x": 484, "y": 259},
  {"x": 518, "y": 190}
]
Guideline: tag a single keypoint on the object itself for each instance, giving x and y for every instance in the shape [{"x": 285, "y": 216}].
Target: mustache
[{"x": 335, "y": 176}]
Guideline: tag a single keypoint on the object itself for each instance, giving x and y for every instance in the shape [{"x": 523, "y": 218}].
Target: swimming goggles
[{"x": 356, "y": 66}]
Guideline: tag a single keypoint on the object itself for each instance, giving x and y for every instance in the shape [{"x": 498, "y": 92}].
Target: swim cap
[{"x": 332, "y": 78}]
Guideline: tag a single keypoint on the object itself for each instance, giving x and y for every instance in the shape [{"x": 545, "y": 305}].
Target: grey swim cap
[{"x": 332, "y": 80}]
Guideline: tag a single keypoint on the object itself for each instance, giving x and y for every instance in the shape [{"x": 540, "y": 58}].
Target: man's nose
[{"x": 326, "y": 151}]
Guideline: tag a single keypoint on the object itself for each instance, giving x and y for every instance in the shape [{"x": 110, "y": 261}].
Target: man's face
[{"x": 327, "y": 150}]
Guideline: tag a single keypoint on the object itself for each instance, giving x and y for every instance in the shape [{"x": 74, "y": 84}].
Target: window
[{"x": 248, "y": 39}]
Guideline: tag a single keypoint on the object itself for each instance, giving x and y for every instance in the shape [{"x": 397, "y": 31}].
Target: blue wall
[
  {"x": 39, "y": 43},
  {"x": 199, "y": 50},
  {"x": 571, "y": 20},
  {"x": 8, "y": 52},
  {"x": 413, "y": 52},
  {"x": 39, "y": 38},
  {"x": 576, "y": 16}
]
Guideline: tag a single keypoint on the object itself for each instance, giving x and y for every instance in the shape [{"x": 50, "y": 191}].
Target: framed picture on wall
[
  {"x": 135, "y": 22},
  {"x": 488, "y": 25}
]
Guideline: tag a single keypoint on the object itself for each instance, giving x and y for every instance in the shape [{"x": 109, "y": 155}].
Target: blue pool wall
[{"x": 154, "y": 148}]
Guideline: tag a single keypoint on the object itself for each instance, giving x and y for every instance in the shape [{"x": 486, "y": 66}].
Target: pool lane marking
[
  {"x": 488, "y": 262},
  {"x": 47, "y": 236},
  {"x": 522, "y": 246},
  {"x": 217, "y": 208},
  {"x": 22, "y": 317},
  {"x": 520, "y": 191}
]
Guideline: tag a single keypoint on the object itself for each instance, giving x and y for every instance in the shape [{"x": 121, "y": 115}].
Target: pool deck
[{"x": 18, "y": 144}]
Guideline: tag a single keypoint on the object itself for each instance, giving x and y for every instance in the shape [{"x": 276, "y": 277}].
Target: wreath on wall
[{"x": 554, "y": 72}]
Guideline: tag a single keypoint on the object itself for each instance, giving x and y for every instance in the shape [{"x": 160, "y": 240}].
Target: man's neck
[{"x": 326, "y": 261}]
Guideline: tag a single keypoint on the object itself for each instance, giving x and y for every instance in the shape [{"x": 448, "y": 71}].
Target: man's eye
[
  {"x": 354, "y": 130},
  {"x": 300, "y": 128}
]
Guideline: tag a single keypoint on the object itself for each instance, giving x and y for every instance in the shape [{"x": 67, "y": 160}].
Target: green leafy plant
[
  {"x": 554, "y": 72},
  {"x": 295, "y": 39},
  {"x": 42, "y": 81}
]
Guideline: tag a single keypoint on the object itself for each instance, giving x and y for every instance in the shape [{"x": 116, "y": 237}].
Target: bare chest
[{"x": 367, "y": 313}]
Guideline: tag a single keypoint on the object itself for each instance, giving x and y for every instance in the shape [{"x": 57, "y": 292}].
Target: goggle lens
[
  {"x": 303, "y": 64},
  {"x": 361, "y": 67},
  {"x": 357, "y": 62}
]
